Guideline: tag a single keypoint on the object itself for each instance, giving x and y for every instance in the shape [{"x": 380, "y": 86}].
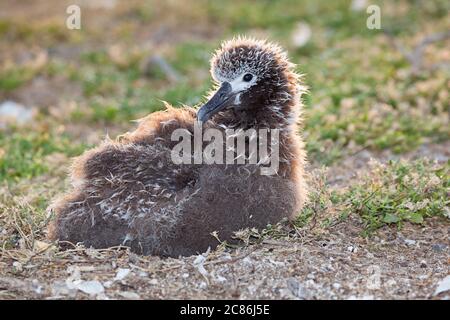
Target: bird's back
[{"x": 130, "y": 192}]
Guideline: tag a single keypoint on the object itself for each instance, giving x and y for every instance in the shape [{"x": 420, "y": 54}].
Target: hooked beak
[{"x": 218, "y": 102}]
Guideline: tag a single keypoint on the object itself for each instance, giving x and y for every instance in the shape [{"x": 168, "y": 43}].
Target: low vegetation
[
  {"x": 387, "y": 194},
  {"x": 364, "y": 99}
]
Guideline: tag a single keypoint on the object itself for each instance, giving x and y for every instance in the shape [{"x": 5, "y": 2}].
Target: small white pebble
[
  {"x": 143, "y": 274},
  {"x": 391, "y": 283},
  {"x": 121, "y": 274},
  {"x": 310, "y": 283},
  {"x": 17, "y": 265},
  {"x": 336, "y": 285},
  {"x": 277, "y": 263},
  {"x": 129, "y": 295},
  {"x": 37, "y": 287},
  {"x": 93, "y": 287}
]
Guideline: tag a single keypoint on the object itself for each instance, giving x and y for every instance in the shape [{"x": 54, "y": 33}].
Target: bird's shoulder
[{"x": 159, "y": 126}]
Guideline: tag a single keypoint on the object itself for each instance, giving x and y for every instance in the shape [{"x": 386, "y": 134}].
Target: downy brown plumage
[{"x": 130, "y": 192}]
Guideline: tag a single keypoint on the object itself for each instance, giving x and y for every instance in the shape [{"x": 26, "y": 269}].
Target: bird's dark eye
[{"x": 248, "y": 77}]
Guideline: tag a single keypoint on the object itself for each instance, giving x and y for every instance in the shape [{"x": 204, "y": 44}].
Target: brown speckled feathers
[{"x": 130, "y": 192}]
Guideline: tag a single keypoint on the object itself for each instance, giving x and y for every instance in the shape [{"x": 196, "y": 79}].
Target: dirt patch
[
  {"x": 338, "y": 264},
  {"x": 343, "y": 172}
]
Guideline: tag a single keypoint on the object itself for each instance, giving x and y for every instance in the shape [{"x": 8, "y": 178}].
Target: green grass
[
  {"x": 376, "y": 109},
  {"x": 400, "y": 192},
  {"x": 361, "y": 95},
  {"x": 388, "y": 194},
  {"x": 25, "y": 155},
  {"x": 125, "y": 92},
  {"x": 13, "y": 78}
]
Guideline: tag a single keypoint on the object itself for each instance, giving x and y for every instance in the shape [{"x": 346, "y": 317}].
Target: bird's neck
[{"x": 280, "y": 116}]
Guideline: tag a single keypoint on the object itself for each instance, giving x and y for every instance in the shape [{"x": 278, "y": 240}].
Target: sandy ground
[
  {"x": 338, "y": 264},
  {"x": 332, "y": 263}
]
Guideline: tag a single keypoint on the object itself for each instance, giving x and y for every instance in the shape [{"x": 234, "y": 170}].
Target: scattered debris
[
  {"x": 91, "y": 287},
  {"x": 309, "y": 272}
]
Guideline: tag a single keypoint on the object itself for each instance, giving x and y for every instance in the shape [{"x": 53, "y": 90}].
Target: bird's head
[{"x": 254, "y": 79}]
